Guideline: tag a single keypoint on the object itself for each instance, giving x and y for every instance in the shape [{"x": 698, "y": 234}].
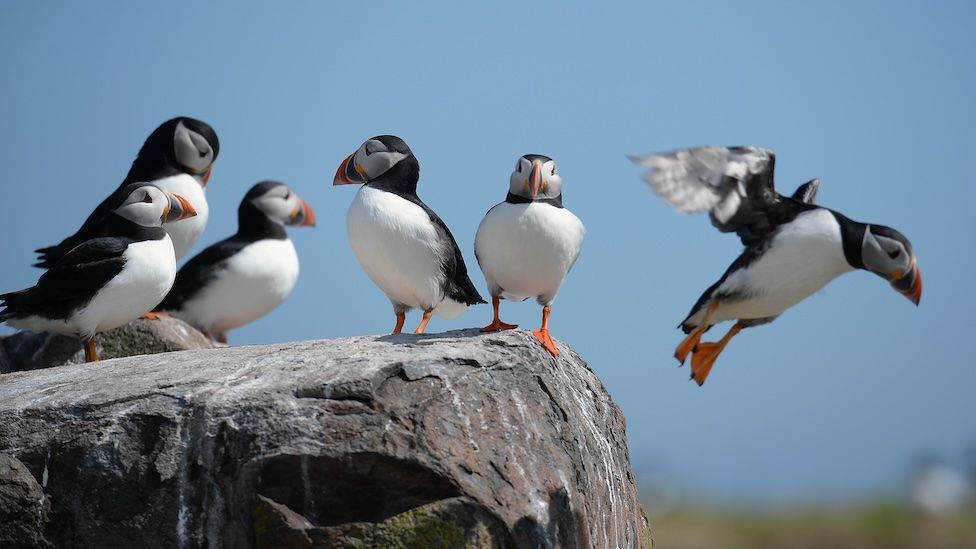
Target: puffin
[
  {"x": 177, "y": 157},
  {"x": 527, "y": 244},
  {"x": 109, "y": 280},
  {"x": 245, "y": 276},
  {"x": 404, "y": 247},
  {"x": 793, "y": 247}
]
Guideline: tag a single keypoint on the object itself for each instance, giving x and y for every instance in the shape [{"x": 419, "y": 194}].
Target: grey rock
[
  {"x": 357, "y": 442},
  {"x": 30, "y": 351},
  {"x": 23, "y": 506}
]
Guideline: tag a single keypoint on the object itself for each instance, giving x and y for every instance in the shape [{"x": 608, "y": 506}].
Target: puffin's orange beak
[
  {"x": 308, "y": 215},
  {"x": 535, "y": 178},
  {"x": 909, "y": 284},
  {"x": 177, "y": 209},
  {"x": 347, "y": 174}
]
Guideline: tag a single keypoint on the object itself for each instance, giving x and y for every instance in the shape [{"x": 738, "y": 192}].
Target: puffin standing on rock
[
  {"x": 793, "y": 247},
  {"x": 177, "y": 157},
  {"x": 243, "y": 277},
  {"x": 106, "y": 281},
  {"x": 527, "y": 244},
  {"x": 404, "y": 247}
]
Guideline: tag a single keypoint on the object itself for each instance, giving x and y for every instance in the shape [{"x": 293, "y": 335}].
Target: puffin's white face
[
  {"x": 151, "y": 207},
  {"x": 535, "y": 177},
  {"x": 372, "y": 159},
  {"x": 192, "y": 150},
  {"x": 887, "y": 253},
  {"x": 285, "y": 207}
]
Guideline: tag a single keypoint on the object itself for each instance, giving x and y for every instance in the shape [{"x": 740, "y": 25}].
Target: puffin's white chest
[
  {"x": 187, "y": 231},
  {"x": 250, "y": 285},
  {"x": 149, "y": 272},
  {"x": 398, "y": 246},
  {"x": 803, "y": 257},
  {"x": 525, "y": 250}
]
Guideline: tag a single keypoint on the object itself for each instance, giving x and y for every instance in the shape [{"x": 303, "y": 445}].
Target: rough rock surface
[
  {"x": 23, "y": 506},
  {"x": 441, "y": 440},
  {"x": 30, "y": 351}
]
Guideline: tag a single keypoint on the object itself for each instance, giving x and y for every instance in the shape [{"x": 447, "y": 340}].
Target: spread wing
[{"x": 733, "y": 184}]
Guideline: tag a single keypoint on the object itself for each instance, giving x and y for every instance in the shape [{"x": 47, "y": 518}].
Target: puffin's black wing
[
  {"x": 71, "y": 282},
  {"x": 734, "y": 184},
  {"x": 199, "y": 271},
  {"x": 460, "y": 289}
]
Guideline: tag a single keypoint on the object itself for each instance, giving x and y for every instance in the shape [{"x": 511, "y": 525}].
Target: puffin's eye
[
  {"x": 366, "y": 149},
  {"x": 148, "y": 198},
  {"x": 894, "y": 254},
  {"x": 553, "y": 170},
  {"x": 518, "y": 167},
  {"x": 287, "y": 195}
]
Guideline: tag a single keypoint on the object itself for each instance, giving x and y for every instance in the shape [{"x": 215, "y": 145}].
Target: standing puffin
[
  {"x": 177, "y": 157},
  {"x": 527, "y": 244},
  {"x": 793, "y": 247},
  {"x": 245, "y": 276},
  {"x": 109, "y": 280},
  {"x": 404, "y": 247}
]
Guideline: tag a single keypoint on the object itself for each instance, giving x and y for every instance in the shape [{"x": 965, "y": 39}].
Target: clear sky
[{"x": 833, "y": 400}]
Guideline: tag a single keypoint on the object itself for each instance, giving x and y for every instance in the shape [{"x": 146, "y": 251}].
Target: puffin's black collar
[{"x": 516, "y": 199}]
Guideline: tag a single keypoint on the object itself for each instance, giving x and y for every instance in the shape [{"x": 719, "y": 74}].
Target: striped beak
[
  {"x": 347, "y": 174},
  {"x": 303, "y": 215},
  {"x": 178, "y": 208},
  {"x": 909, "y": 283}
]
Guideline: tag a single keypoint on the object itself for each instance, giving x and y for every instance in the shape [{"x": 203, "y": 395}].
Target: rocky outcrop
[
  {"x": 442, "y": 440},
  {"x": 30, "y": 351}
]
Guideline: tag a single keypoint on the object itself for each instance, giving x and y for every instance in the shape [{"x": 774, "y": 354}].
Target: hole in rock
[{"x": 364, "y": 487}]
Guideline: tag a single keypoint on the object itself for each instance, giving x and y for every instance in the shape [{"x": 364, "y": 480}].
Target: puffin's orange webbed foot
[
  {"x": 704, "y": 355},
  {"x": 547, "y": 342},
  {"x": 497, "y": 326},
  {"x": 688, "y": 344},
  {"x": 154, "y": 315},
  {"x": 702, "y": 361}
]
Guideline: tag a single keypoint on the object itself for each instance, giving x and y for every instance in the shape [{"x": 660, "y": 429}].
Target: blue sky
[{"x": 832, "y": 401}]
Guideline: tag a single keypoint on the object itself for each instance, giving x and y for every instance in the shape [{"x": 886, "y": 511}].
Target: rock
[
  {"x": 23, "y": 507},
  {"x": 30, "y": 351},
  {"x": 440, "y": 440}
]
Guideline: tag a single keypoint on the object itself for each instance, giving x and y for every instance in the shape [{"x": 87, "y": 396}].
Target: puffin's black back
[
  {"x": 252, "y": 225},
  {"x": 155, "y": 160}
]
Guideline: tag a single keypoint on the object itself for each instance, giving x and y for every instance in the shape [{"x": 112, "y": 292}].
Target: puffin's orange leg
[
  {"x": 705, "y": 354},
  {"x": 401, "y": 318},
  {"x": 154, "y": 315},
  {"x": 689, "y": 343},
  {"x": 497, "y": 325},
  {"x": 542, "y": 334},
  {"x": 91, "y": 354},
  {"x": 423, "y": 322}
]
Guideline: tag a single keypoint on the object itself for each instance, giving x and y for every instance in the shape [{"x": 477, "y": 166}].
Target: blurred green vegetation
[{"x": 875, "y": 526}]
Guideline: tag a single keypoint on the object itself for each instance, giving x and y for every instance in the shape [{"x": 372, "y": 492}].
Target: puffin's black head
[
  {"x": 374, "y": 158},
  {"x": 183, "y": 144},
  {"x": 149, "y": 206},
  {"x": 535, "y": 177},
  {"x": 887, "y": 253},
  {"x": 279, "y": 204}
]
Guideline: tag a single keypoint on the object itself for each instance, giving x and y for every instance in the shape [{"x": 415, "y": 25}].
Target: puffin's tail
[{"x": 465, "y": 292}]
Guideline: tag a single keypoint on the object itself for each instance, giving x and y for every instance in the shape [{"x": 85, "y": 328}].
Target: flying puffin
[
  {"x": 793, "y": 247},
  {"x": 109, "y": 280},
  {"x": 245, "y": 276},
  {"x": 527, "y": 244},
  {"x": 177, "y": 157},
  {"x": 404, "y": 247}
]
